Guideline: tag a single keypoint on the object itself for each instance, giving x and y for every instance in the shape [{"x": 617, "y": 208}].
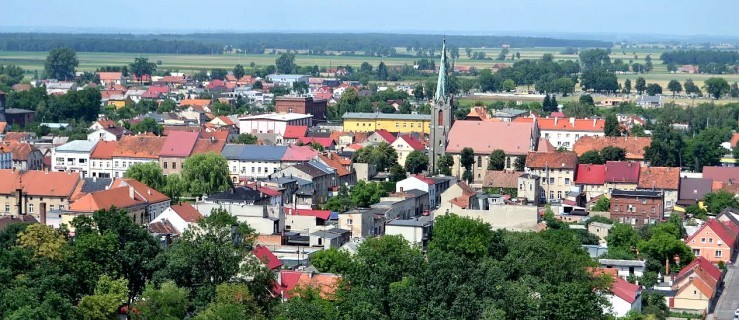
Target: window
[
  {"x": 710, "y": 240},
  {"x": 60, "y": 160},
  {"x": 30, "y": 208},
  {"x": 70, "y": 160},
  {"x": 551, "y": 194},
  {"x": 51, "y": 207},
  {"x": 174, "y": 165},
  {"x": 520, "y": 186},
  {"x": 703, "y": 240},
  {"x": 252, "y": 169},
  {"x": 567, "y": 181},
  {"x": 83, "y": 161},
  {"x": 643, "y": 201},
  {"x": 349, "y": 221},
  {"x": 7, "y": 207},
  {"x": 654, "y": 210},
  {"x": 559, "y": 194},
  {"x": 551, "y": 180},
  {"x": 165, "y": 164},
  {"x": 479, "y": 161},
  {"x": 718, "y": 253},
  {"x": 124, "y": 164}
]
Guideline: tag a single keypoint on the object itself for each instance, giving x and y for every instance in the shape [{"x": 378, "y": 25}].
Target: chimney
[
  {"x": 19, "y": 201},
  {"x": 131, "y": 192},
  {"x": 42, "y": 212},
  {"x": 595, "y": 121},
  {"x": 555, "y": 120},
  {"x": 572, "y": 120}
]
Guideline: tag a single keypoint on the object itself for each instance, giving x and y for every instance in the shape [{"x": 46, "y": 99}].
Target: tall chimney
[
  {"x": 42, "y": 212},
  {"x": 19, "y": 201},
  {"x": 131, "y": 192}
]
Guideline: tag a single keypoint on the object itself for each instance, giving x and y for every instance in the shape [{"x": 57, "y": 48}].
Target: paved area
[{"x": 728, "y": 301}]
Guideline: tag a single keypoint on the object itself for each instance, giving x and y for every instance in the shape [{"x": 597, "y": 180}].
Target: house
[
  {"x": 306, "y": 221},
  {"x": 73, "y": 157},
  {"x": 222, "y": 121},
  {"x": 696, "y": 286},
  {"x": 287, "y": 80},
  {"x": 404, "y": 145},
  {"x": 178, "y": 145},
  {"x": 248, "y": 162},
  {"x": 25, "y": 156},
  {"x": 288, "y": 281},
  {"x": 416, "y": 231},
  {"x": 591, "y": 179},
  {"x": 60, "y": 87},
  {"x": 101, "y": 159},
  {"x": 6, "y": 160},
  {"x": 557, "y": 172},
  {"x": 600, "y": 229},
  {"x": 124, "y": 198},
  {"x": 298, "y": 154},
  {"x": 267, "y": 257},
  {"x": 500, "y": 180},
  {"x": 634, "y": 146},
  {"x": 664, "y": 179},
  {"x": 692, "y": 190},
  {"x": 135, "y": 149},
  {"x": 363, "y": 223},
  {"x": 622, "y": 175},
  {"x": 380, "y": 136},
  {"x": 273, "y": 122},
  {"x": 37, "y": 191},
  {"x": 106, "y": 130},
  {"x": 563, "y": 133},
  {"x": 625, "y": 268},
  {"x": 293, "y": 133},
  {"x": 434, "y": 186},
  {"x": 330, "y": 238},
  {"x": 514, "y": 138},
  {"x": 689, "y": 68},
  {"x": 202, "y": 104},
  {"x": 322, "y": 178},
  {"x": 302, "y": 105},
  {"x": 156, "y": 202},
  {"x": 238, "y": 196},
  {"x": 111, "y": 78},
  {"x": 637, "y": 208},
  {"x": 715, "y": 240},
  {"x": 344, "y": 171},
  {"x": 647, "y": 101},
  {"x": 725, "y": 175},
  {"x": 180, "y": 216},
  {"x": 624, "y": 297},
  {"x": 326, "y": 143},
  {"x": 392, "y": 122}
]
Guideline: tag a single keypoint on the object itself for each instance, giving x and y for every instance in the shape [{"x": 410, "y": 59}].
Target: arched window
[
  {"x": 479, "y": 161},
  {"x": 507, "y": 162},
  {"x": 440, "y": 117}
]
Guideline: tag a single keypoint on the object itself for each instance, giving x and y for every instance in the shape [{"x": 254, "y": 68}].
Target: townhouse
[
  {"x": 434, "y": 186},
  {"x": 564, "y": 132},
  {"x": 26, "y": 192},
  {"x": 662, "y": 179},
  {"x": 404, "y": 145},
  {"x": 73, "y": 156},
  {"x": 135, "y": 149},
  {"x": 25, "y": 156},
  {"x": 634, "y": 146},
  {"x": 622, "y": 175},
  {"x": 178, "y": 145},
  {"x": 637, "y": 208},
  {"x": 715, "y": 240},
  {"x": 101, "y": 159},
  {"x": 591, "y": 179},
  {"x": 557, "y": 171}
]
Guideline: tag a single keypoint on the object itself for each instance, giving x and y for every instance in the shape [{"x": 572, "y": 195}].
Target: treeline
[
  {"x": 372, "y": 44},
  {"x": 104, "y": 43},
  {"x": 700, "y": 57}
]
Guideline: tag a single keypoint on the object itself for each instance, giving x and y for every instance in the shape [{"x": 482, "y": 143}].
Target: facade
[
  {"x": 135, "y": 149},
  {"x": 178, "y": 145},
  {"x": 434, "y": 186},
  {"x": 6, "y": 160},
  {"x": 101, "y": 159},
  {"x": 622, "y": 175},
  {"x": 73, "y": 157},
  {"x": 695, "y": 285},
  {"x": 247, "y": 162},
  {"x": 25, "y": 156},
  {"x": 112, "y": 133},
  {"x": 556, "y": 171},
  {"x": 301, "y": 105},
  {"x": 529, "y": 188},
  {"x": 124, "y": 198},
  {"x": 416, "y": 231},
  {"x": 404, "y": 145},
  {"x": 715, "y": 240},
  {"x": 111, "y": 78},
  {"x": 322, "y": 178},
  {"x": 624, "y": 297},
  {"x": 664, "y": 179},
  {"x": 363, "y": 223},
  {"x": 36, "y": 190},
  {"x": 156, "y": 202},
  {"x": 564, "y": 132},
  {"x": 273, "y": 122},
  {"x": 181, "y": 216},
  {"x": 392, "y": 122},
  {"x": 637, "y": 208},
  {"x": 591, "y": 179},
  {"x": 287, "y": 80}
]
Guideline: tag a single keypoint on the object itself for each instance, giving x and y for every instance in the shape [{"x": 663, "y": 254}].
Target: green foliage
[
  {"x": 61, "y": 63},
  {"x": 612, "y": 128},
  {"x": 718, "y": 201},
  {"x": 586, "y": 99},
  {"x": 306, "y": 303},
  {"x": 591, "y": 157},
  {"x": 705, "y": 148},
  {"x": 463, "y": 236},
  {"x": 716, "y": 87},
  {"x": 218, "y": 74},
  {"x": 232, "y": 301},
  {"x": 467, "y": 158},
  {"x": 238, "y": 71},
  {"x": 206, "y": 173},
  {"x": 622, "y": 237},
  {"x": 610, "y": 153},
  {"x": 603, "y": 204},
  {"x": 397, "y": 173},
  {"x": 364, "y": 194},
  {"x": 675, "y": 87},
  {"x": 332, "y": 260},
  {"x": 664, "y": 151},
  {"x": 148, "y": 125},
  {"x": 10, "y": 75},
  {"x": 654, "y": 89},
  {"x": 496, "y": 160},
  {"x": 167, "y": 302},
  {"x": 285, "y": 63},
  {"x": 416, "y": 162},
  {"x": 381, "y": 155},
  {"x": 246, "y": 138},
  {"x": 694, "y": 210},
  {"x": 141, "y": 66},
  {"x": 663, "y": 246},
  {"x": 148, "y": 173},
  {"x": 445, "y": 164},
  {"x": 341, "y": 202},
  {"x": 103, "y": 304},
  {"x": 641, "y": 85}
]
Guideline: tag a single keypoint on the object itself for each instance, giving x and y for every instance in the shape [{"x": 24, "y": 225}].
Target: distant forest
[{"x": 371, "y": 44}]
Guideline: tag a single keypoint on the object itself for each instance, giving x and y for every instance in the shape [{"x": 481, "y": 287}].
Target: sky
[{"x": 465, "y": 17}]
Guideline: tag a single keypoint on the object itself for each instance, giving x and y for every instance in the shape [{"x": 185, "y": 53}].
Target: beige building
[
  {"x": 404, "y": 145},
  {"x": 556, "y": 170},
  {"x": 35, "y": 188},
  {"x": 363, "y": 223}
]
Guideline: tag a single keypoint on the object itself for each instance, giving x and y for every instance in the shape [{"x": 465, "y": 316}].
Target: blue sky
[{"x": 511, "y": 17}]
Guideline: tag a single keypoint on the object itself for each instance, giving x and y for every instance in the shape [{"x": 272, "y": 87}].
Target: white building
[
  {"x": 273, "y": 122},
  {"x": 253, "y": 161},
  {"x": 433, "y": 185},
  {"x": 60, "y": 87},
  {"x": 101, "y": 159},
  {"x": 564, "y": 132},
  {"x": 625, "y": 268},
  {"x": 181, "y": 216},
  {"x": 416, "y": 231},
  {"x": 287, "y": 80},
  {"x": 73, "y": 157},
  {"x": 624, "y": 297}
]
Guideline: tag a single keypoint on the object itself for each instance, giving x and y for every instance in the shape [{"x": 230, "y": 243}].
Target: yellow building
[{"x": 392, "y": 122}]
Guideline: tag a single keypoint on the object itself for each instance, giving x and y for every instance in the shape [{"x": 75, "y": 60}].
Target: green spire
[{"x": 441, "y": 82}]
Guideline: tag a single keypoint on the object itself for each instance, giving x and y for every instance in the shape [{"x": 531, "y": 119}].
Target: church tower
[{"x": 442, "y": 113}]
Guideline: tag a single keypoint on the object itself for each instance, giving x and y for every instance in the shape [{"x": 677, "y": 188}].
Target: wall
[
  {"x": 171, "y": 165},
  {"x": 102, "y": 168},
  {"x": 566, "y": 139},
  {"x": 555, "y": 182},
  {"x": 707, "y": 243},
  {"x": 511, "y": 217},
  {"x": 691, "y": 298},
  {"x": 391, "y": 125},
  {"x": 414, "y": 235},
  {"x": 121, "y": 164},
  {"x": 640, "y": 212},
  {"x": 620, "y": 307},
  {"x": 481, "y": 164},
  {"x": 80, "y": 162}
]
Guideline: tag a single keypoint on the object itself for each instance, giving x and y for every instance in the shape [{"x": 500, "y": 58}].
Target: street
[{"x": 729, "y": 299}]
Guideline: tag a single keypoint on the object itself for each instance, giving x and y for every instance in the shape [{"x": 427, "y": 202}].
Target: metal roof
[
  {"x": 387, "y": 116},
  {"x": 77, "y": 146}
]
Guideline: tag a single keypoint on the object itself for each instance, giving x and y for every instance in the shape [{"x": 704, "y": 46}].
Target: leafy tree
[
  {"x": 612, "y": 127},
  {"x": 238, "y": 71},
  {"x": 206, "y": 173},
  {"x": 591, "y": 157},
  {"x": 382, "y": 71},
  {"x": 381, "y": 155},
  {"x": 103, "y": 304},
  {"x": 663, "y": 246},
  {"x": 232, "y": 301},
  {"x": 641, "y": 85},
  {"x": 705, "y": 148},
  {"x": 44, "y": 241},
  {"x": 341, "y": 202},
  {"x": 654, "y": 89},
  {"x": 175, "y": 187},
  {"x": 218, "y": 73},
  {"x": 61, "y": 63},
  {"x": 141, "y": 66},
  {"x": 716, "y": 87},
  {"x": 246, "y": 138},
  {"x": 10, "y": 75},
  {"x": 148, "y": 173},
  {"x": 416, "y": 162},
  {"x": 418, "y": 91},
  {"x": 364, "y": 194},
  {"x": 332, "y": 260},
  {"x": 610, "y": 153},
  {"x": 365, "y": 67},
  {"x": 300, "y": 87},
  {"x": 509, "y": 85},
  {"x": 720, "y": 200},
  {"x": 167, "y": 302},
  {"x": 467, "y": 158},
  {"x": 496, "y": 160},
  {"x": 148, "y": 125},
  {"x": 464, "y": 236},
  {"x": 285, "y": 63},
  {"x": 627, "y": 86},
  {"x": 675, "y": 87},
  {"x": 520, "y": 163},
  {"x": 691, "y": 88},
  {"x": 445, "y": 164},
  {"x": 665, "y": 148},
  {"x": 257, "y": 85},
  {"x": 587, "y": 99},
  {"x": 603, "y": 204},
  {"x": 623, "y": 237}
]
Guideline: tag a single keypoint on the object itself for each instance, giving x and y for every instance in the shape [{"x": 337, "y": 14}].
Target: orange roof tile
[
  {"x": 734, "y": 139},
  {"x": 147, "y": 193},
  {"x": 326, "y": 283},
  {"x": 195, "y": 102},
  {"x": 104, "y": 150},
  {"x": 501, "y": 179},
  {"x": 17, "y": 136},
  {"x": 101, "y": 200},
  {"x": 187, "y": 212},
  {"x": 568, "y": 124},
  {"x": 512, "y": 137},
  {"x": 37, "y": 182},
  {"x": 634, "y": 146},
  {"x": 21, "y": 150},
  {"x": 3, "y": 124},
  {"x": 208, "y": 146},
  {"x": 333, "y": 160},
  {"x": 139, "y": 147},
  {"x": 659, "y": 178},
  {"x": 553, "y": 160}
]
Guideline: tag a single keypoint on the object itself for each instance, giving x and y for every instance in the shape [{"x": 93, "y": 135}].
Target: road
[{"x": 729, "y": 299}]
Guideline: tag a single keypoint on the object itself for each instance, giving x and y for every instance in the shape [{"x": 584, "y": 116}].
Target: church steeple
[{"x": 441, "y": 82}]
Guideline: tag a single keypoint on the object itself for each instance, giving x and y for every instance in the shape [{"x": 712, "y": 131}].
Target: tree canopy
[{"x": 61, "y": 64}]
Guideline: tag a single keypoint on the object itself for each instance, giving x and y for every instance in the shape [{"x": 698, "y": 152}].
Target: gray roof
[
  {"x": 623, "y": 263},
  {"x": 253, "y": 152},
  {"x": 231, "y": 151},
  {"x": 285, "y": 77},
  {"x": 649, "y": 99},
  {"x": 77, "y": 146},
  {"x": 330, "y": 233},
  {"x": 391, "y": 116},
  {"x": 417, "y": 222},
  {"x": 694, "y": 188},
  {"x": 96, "y": 184},
  {"x": 629, "y": 193},
  {"x": 508, "y": 112},
  {"x": 310, "y": 169}
]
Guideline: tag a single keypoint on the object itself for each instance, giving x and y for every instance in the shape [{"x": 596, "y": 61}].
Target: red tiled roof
[
  {"x": 147, "y": 193},
  {"x": 226, "y": 120},
  {"x": 552, "y": 160},
  {"x": 355, "y": 146},
  {"x": 727, "y": 235},
  {"x": 269, "y": 191},
  {"x": 295, "y": 132},
  {"x": 386, "y": 135},
  {"x": 333, "y": 160},
  {"x": 322, "y": 214},
  {"x": 187, "y": 212},
  {"x": 625, "y": 290},
  {"x": 104, "y": 150},
  {"x": 325, "y": 142},
  {"x": 723, "y": 174},
  {"x": 326, "y": 283},
  {"x": 208, "y": 146},
  {"x": 101, "y": 200},
  {"x": 463, "y": 201},
  {"x": 545, "y": 146},
  {"x": 110, "y": 76},
  {"x": 703, "y": 263},
  {"x": 195, "y": 102},
  {"x": 217, "y": 134},
  {"x": 139, "y": 147},
  {"x": 412, "y": 142},
  {"x": 634, "y": 146},
  {"x": 299, "y": 153},
  {"x": 425, "y": 179},
  {"x": 17, "y": 136},
  {"x": 591, "y": 174},
  {"x": 21, "y": 150},
  {"x": 511, "y": 137},
  {"x": 659, "y": 178},
  {"x": 37, "y": 183},
  {"x": 162, "y": 227},
  {"x": 501, "y": 179},
  {"x": 566, "y": 124},
  {"x": 267, "y": 257},
  {"x": 179, "y": 144},
  {"x": 174, "y": 79},
  {"x": 622, "y": 171}
]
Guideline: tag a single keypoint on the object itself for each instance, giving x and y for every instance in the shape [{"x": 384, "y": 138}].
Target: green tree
[
  {"x": 691, "y": 88},
  {"x": 332, "y": 260},
  {"x": 141, "y": 66},
  {"x": 520, "y": 163},
  {"x": 654, "y": 89},
  {"x": 306, "y": 303},
  {"x": 382, "y": 155},
  {"x": 416, "y": 162},
  {"x": 232, "y": 301},
  {"x": 418, "y": 91},
  {"x": 381, "y": 71},
  {"x": 246, "y": 138},
  {"x": 603, "y": 204},
  {"x": 218, "y": 74},
  {"x": 445, "y": 165},
  {"x": 109, "y": 295},
  {"x": 675, "y": 87},
  {"x": 175, "y": 187},
  {"x": 509, "y": 85},
  {"x": 662, "y": 247},
  {"x": 148, "y": 125},
  {"x": 206, "y": 173},
  {"x": 168, "y": 302},
  {"x": 612, "y": 127},
  {"x": 586, "y": 99},
  {"x": 471, "y": 238},
  {"x": 611, "y": 153},
  {"x": 61, "y": 64},
  {"x": 716, "y": 87},
  {"x": 238, "y": 71},
  {"x": 44, "y": 241},
  {"x": 364, "y": 194},
  {"x": 148, "y": 173},
  {"x": 665, "y": 148},
  {"x": 591, "y": 157},
  {"x": 705, "y": 148},
  {"x": 627, "y": 86},
  {"x": 622, "y": 237},
  {"x": 285, "y": 63},
  {"x": 641, "y": 85},
  {"x": 720, "y": 200},
  {"x": 496, "y": 160}
]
